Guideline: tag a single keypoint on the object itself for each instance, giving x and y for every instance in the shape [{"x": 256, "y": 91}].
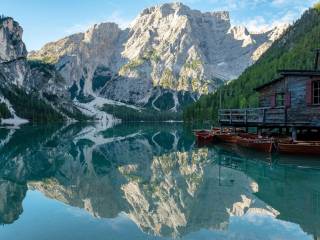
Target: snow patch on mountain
[
  {"x": 15, "y": 120},
  {"x": 93, "y": 109}
]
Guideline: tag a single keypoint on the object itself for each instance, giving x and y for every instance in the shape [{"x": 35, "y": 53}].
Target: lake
[{"x": 149, "y": 181}]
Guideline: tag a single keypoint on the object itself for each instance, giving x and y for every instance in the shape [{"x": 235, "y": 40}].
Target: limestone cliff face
[
  {"x": 11, "y": 197},
  {"x": 13, "y": 52},
  {"x": 12, "y": 46},
  {"x": 80, "y": 55},
  {"x": 185, "y": 193},
  {"x": 167, "y": 47},
  {"x": 23, "y": 82}
]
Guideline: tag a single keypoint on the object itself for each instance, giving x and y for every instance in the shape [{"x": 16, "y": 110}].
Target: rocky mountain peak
[
  {"x": 172, "y": 8},
  {"x": 175, "y": 10},
  {"x": 166, "y": 9},
  {"x": 98, "y": 32},
  {"x": 24, "y": 83},
  {"x": 277, "y": 31},
  {"x": 179, "y": 9},
  {"x": 11, "y": 44},
  {"x": 13, "y": 53},
  {"x": 169, "y": 47},
  {"x": 239, "y": 32}
]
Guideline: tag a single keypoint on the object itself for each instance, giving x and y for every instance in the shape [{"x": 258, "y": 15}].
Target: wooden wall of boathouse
[
  {"x": 300, "y": 110},
  {"x": 267, "y": 94},
  {"x": 297, "y": 108}
]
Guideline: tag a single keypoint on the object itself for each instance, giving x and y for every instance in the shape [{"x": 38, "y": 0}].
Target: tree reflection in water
[{"x": 156, "y": 175}]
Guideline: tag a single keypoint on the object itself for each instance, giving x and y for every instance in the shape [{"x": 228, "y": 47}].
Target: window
[
  {"x": 280, "y": 99},
  {"x": 316, "y": 92}
]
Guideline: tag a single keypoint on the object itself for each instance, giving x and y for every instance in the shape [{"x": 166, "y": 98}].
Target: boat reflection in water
[{"x": 149, "y": 182}]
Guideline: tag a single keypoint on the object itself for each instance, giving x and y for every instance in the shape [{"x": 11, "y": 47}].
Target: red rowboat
[
  {"x": 299, "y": 147},
  {"x": 227, "y": 137},
  {"x": 204, "y": 135},
  {"x": 260, "y": 144}
]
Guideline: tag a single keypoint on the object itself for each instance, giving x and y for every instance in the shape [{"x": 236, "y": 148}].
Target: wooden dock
[{"x": 253, "y": 116}]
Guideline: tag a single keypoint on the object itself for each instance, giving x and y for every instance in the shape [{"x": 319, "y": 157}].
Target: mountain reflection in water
[{"x": 154, "y": 178}]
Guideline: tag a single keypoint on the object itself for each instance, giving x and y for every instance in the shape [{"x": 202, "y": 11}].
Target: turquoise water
[{"x": 149, "y": 181}]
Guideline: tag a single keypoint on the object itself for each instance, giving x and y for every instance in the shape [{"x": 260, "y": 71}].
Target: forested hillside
[{"x": 294, "y": 50}]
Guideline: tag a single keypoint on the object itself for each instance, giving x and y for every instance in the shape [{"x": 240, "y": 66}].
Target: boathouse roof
[
  {"x": 285, "y": 73},
  {"x": 268, "y": 83},
  {"x": 299, "y": 73}
]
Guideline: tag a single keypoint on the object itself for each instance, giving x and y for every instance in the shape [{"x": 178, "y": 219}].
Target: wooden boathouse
[{"x": 291, "y": 101}]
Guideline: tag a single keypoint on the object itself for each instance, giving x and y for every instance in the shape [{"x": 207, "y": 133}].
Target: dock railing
[{"x": 253, "y": 115}]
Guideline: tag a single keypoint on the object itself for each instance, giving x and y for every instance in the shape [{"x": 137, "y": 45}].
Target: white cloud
[
  {"x": 296, "y": 3},
  {"x": 78, "y": 28},
  {"x": 260, "y": 23},
  {"x": 118, "y": 18},
  {"x": 257, "y": 24},
  {"x": 279, "y": 2},
  {"x": 115, "y": 17},
  {"x": 288, "y": 18}
]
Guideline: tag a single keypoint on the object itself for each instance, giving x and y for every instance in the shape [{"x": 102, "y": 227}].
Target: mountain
[
  {"x": 293, "y": 50},
  {"x": 166, "y": 59},
  {"x": 29, "y": 91},
  {"x": 153, "y": 174},
  {"x": 156, "y": 176}
]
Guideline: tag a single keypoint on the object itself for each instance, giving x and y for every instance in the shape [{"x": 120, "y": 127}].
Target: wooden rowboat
[
  {"x": 299, "y": 147},
  {"x": 204, "y": 135},
  {"x": 260, "y": 144},
  {"x": 227, "y": 138}
]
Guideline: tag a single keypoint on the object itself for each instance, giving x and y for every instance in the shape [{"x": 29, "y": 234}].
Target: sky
[{"x": 44, "y": 21}]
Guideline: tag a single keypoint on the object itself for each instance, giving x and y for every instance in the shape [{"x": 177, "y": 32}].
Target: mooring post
[
  {"x": 294, "y": 133},
  {"x": 287, "y": 131}
]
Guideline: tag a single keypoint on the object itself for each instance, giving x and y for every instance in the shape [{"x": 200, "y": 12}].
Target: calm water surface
[{"x": 149, "y": 181}]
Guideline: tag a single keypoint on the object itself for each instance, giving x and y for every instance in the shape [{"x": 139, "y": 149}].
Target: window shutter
[
  {"x": 288, "y": 99},
  {"x": 309, "y": 92},
  {"x": 273, "y": 100}
]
